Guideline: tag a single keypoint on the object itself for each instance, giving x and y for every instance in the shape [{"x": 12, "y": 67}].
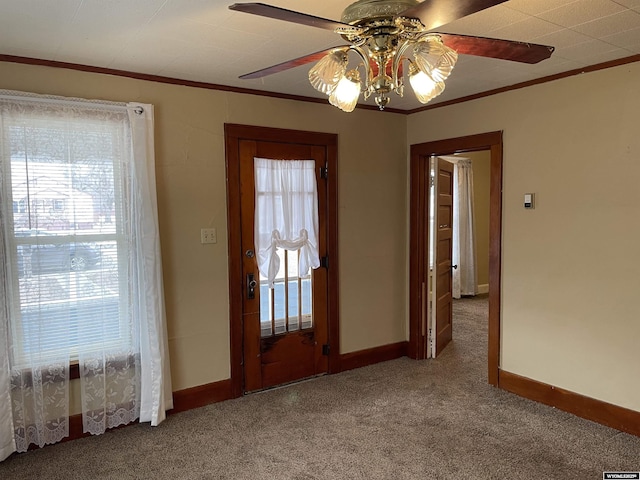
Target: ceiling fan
[{"x": 386, "y": 35}]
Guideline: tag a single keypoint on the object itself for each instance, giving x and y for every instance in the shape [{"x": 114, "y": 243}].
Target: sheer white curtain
[
  {"x": 7, "y": 437},
  {"x": 286, "y": 214},
  {"x": 119, "y": 387},
  {"x": 155, "y": 376},
  {"x": 465, "y": 277},
  {"x": 111, "y": 317}
]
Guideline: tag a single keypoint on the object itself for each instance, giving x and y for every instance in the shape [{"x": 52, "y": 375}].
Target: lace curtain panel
[
  {"x": 81, "y": 269},
  {"x": 286, "y": 214},
  {"x": 7, "y": 436}
]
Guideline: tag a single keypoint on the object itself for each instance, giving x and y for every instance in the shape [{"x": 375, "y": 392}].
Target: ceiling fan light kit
[
  {"x": 385, "y": 34},
  {"x": 381, "y": 45}
]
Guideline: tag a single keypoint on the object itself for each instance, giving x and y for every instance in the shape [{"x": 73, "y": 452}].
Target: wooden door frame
[
  {"x": 234, "y": 133},
  {"x": 418, "y": 233}
]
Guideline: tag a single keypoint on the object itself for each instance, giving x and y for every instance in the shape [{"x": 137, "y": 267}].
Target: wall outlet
[{"x": 208, "y": 235}]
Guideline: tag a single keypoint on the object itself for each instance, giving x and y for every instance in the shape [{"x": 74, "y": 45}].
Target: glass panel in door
[{"x": 287, "y": 307}]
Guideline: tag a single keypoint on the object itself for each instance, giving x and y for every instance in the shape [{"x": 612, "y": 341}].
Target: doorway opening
[{"x": 419, "y": 309}]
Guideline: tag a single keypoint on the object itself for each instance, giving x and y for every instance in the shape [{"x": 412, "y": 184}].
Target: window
[
  {"x": 67, "y": 241},
  {"x": 80, "y": 267}
]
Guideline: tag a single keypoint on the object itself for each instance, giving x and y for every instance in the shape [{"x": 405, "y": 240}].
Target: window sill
[{"x": 74, "y": 368}]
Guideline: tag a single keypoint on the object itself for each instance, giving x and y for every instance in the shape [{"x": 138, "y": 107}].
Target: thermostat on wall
[{"x": 529, "y": 200}]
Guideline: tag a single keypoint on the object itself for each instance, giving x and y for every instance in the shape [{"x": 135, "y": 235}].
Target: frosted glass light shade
[
  {"x": 325, "y": 75},
  {"x": 434, "y": 58},
  {"x": 345, "y": 95},
  {"x": 424, "y": 87}
]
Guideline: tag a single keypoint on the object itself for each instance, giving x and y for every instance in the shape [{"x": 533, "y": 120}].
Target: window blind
[{"x": 63, "y": 196}]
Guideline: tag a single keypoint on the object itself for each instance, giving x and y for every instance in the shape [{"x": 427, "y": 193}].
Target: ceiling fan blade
[
  {"x": 496, "y": 48},
  {"x": 278, "y": 13},
  {"x": 296, "y": 62},
  {"x": 434, "y": 13}
]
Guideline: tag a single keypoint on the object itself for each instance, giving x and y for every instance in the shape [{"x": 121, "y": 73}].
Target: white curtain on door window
[
  {"x": 286, "y": 214},
  {"x": 465, "y": 277}
]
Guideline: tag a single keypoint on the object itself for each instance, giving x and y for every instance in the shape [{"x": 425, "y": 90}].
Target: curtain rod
[{"x": 66, "y": 101}]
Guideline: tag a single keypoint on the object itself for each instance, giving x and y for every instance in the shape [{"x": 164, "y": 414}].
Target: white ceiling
[{"x": 202, "y": 40}]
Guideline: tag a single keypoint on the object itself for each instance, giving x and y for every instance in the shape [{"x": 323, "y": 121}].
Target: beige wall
[
  {"x": 571, "y": 267},
  {"x": 191, "y": 185}
]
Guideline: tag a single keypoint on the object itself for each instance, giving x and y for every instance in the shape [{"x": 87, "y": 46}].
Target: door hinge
[
  {"x": 325, "y": 349},
  {"x": 324, "y": 262},
  {"x": 433, "y": 180},
  {"x": 324, "y": 172}
]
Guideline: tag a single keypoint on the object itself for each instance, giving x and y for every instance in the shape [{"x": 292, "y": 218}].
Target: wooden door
[
  {"x": 443, "y": 297},
  {"x": 284, "y": 328}
]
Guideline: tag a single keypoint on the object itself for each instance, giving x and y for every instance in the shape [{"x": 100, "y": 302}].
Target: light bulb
[
  {"x": 345, "y": 95},
  {"x": 424, "y": 86}
]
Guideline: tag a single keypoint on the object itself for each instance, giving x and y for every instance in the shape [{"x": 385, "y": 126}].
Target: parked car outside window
[{"x": 46, "y": 252}]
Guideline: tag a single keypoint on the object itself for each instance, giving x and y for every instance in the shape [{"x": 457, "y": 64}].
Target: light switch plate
[
  {"x": 208, "y": 235},
  {"x": 529, "y": 201}
]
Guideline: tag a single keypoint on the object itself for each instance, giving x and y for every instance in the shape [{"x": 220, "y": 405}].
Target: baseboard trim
[
  {"x": 362, "y": 358},
  {"x": 183, "y": 400},
  {"x": 75, "y": 429},
  {"x": 613, "y": 416},
  {"x": 201, "y": 395},
  {"x": 484, "y": 288}
]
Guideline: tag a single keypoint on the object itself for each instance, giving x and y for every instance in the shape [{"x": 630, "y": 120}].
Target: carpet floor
[{"x": 403, "y": 419}]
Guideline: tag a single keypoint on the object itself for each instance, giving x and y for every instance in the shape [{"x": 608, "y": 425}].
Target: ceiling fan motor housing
[
  {"x": 379, "y": 31},
  {"x": 364, "y": 10}
]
